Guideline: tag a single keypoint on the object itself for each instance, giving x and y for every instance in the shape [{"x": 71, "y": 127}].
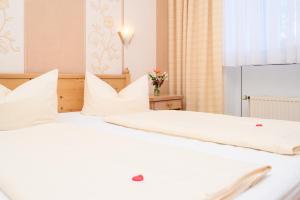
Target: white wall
[
  {"x": 232, "y": 91},
  {"x": 140, "y": 55}
]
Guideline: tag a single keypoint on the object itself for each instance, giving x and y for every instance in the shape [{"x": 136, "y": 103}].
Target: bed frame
[{"x": 70, "y": 87}]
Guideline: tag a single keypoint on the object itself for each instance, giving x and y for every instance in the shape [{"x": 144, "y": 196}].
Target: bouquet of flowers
[{"x": 157, "y": 79}]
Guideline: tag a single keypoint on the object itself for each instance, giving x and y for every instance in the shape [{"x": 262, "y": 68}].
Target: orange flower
[{"x": 157, "y": 70}]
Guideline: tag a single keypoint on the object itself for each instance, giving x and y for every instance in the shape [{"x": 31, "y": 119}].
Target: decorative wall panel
[
  {"x": 11, "y": 36},
  {"x": 54, "y": 35},
  {"x": 103, "y": 45}
]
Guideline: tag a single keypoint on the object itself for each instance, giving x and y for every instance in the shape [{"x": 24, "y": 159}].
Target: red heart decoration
[
  {"x": 138, "y": 178},
  {"x": 259, "y": 125}
]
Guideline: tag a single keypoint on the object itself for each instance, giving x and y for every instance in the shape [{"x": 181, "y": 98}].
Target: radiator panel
[{"x": 282, "y": 108}]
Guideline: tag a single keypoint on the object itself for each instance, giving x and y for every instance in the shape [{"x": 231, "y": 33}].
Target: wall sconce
[{"x": 126, "y": 35}]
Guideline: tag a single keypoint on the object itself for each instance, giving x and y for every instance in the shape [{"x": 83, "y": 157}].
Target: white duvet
[{"x": 62, "y": 161}]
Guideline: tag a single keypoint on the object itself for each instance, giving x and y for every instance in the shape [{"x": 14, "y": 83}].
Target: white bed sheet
[{"x": 282, "y": 183}]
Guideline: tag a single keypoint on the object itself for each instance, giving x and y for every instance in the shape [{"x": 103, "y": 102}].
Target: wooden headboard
[{"x": 70, "y": 87}]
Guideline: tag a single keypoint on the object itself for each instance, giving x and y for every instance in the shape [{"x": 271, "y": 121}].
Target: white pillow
[
  {"x": 4, "y": 91},
  {"x": 32, "y": 103},
  {"x": 101, "y": 99}
]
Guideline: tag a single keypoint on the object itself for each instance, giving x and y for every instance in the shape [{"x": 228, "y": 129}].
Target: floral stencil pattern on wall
[
  {"x": 104, "y": 50},
  {"x": 7, "y": 42}
]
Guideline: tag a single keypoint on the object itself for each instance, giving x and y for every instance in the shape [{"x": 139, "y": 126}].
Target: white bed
[{"x": 282, "y": 183}]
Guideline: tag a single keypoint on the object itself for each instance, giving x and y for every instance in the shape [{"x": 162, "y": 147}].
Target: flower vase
[{"x": 156, "y": 91}]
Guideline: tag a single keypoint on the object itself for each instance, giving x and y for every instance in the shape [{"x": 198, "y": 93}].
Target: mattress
[{"x": 282, "y": 183}]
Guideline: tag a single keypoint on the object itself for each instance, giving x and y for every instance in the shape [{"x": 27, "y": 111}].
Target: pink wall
[{"x": 54, "y": 35}]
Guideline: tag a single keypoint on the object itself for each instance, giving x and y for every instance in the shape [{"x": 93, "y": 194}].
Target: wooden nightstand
[{"x": 166, "y": 102}]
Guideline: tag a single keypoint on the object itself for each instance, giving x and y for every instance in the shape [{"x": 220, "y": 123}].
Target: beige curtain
[{"x": 195, "y": 53}]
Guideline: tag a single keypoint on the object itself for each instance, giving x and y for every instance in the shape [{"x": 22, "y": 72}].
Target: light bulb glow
[{"x": 126, "y": 35}]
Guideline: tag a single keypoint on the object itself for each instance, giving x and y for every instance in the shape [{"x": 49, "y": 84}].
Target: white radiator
[{"x": 283, "y": 108}]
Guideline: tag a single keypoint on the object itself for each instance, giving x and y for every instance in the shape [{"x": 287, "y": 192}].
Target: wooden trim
[
  {"x": 84, "y": 31},
  {"x": 127, "y": 76},
  {"x": 122, "y": 24},
  {"x": 70, "y": 86},
  {"x": 65, "y": 76},
  {"x": 165, "y": 97}
]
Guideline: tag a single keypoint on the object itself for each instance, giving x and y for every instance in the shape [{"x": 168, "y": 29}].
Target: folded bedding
[
  {"x": 281, "y": 137},
  {"x": 63, "y": 161}
]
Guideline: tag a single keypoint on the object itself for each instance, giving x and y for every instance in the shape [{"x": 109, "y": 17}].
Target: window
[{"x": 259, "y": 32}]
